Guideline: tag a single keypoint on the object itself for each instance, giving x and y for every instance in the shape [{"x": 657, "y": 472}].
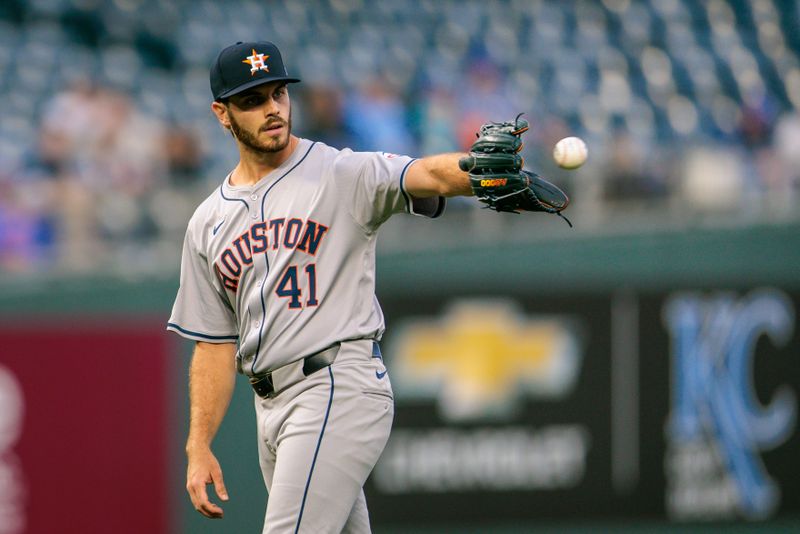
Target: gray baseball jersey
[{"x": 286, "y": 267}]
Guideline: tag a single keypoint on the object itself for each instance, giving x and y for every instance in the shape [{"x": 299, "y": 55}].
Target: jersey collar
[{"x": 244, "y": 191}]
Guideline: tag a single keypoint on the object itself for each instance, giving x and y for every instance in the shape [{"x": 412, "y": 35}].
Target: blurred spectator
[
  {"x": 30, "y": 214},
  {"x": 322, "y": 108},
  {"x": 756, "y": 120},
  {"x": 183, "y": 155},
  {"x": 483, "y": 97},
  {"x": 127, "y": 151},
  {"x": 376, "y": 116},
  {"x": 438, "y": 120},
  {"x": 787, "y": 147},
  {"x": 626, "y": 176},
  {"x": 73, "y": 112},
  {"x": 777, "y": 165},
  {"x": 756, "y": 126},
  {"x": 52, "y": 158},
  {"x": 27, "y": 232}
]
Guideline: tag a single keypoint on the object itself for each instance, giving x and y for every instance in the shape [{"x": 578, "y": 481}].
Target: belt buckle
[{"x": 263, "y": 385}]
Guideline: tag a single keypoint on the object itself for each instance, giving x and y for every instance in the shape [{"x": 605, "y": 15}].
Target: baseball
[{"x": 570, "y": 153}]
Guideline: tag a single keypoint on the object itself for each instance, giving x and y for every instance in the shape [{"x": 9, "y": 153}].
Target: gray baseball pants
[{"x": 319, "y": 439}]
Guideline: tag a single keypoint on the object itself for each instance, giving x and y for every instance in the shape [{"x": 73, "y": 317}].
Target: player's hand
[{"x": 204, "y": 469}]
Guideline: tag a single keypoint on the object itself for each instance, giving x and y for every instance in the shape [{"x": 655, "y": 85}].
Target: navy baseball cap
[{"x": 244, "y": 65}]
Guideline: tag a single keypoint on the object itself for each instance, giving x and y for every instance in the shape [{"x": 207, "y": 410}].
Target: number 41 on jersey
[{"x": 289, "y": 286}]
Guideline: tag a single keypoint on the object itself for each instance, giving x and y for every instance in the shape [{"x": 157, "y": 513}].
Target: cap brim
[{"x": 255, "y": 83}]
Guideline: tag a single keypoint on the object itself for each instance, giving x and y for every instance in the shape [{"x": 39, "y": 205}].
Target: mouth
[{"x": 273, "y": 128}]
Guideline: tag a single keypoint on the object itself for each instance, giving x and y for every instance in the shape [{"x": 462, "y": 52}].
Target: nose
[{"x": 271, "y": 108}]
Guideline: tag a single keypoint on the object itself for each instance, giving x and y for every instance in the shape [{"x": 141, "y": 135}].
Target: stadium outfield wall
[{"x": 651, "y": 378}]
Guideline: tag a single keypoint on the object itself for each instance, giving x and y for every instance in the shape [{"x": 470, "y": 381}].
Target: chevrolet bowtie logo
[{"x": 481, "y": 356}]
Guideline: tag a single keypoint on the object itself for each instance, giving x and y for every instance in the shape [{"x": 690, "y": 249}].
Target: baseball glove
[{"x": 496, "y": 175}]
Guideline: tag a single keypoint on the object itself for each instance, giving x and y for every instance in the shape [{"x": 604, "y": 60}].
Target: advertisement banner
[
  {"x": 678, "y": 406},
  {"x": 733, "y": 405},
  {"x": 83, "y": 429}
]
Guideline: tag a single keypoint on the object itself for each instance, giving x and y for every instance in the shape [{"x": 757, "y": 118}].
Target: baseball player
[{"x": 278, "y": 283}]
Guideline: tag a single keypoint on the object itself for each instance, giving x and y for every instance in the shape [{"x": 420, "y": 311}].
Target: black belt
[{"x": 265, "y": 386}]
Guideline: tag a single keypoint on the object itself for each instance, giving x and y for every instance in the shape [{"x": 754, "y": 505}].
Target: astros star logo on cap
[{"x": 257, "y": 62}]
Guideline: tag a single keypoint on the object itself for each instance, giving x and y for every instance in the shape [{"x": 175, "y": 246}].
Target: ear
[{"x": 221, "y": 111}]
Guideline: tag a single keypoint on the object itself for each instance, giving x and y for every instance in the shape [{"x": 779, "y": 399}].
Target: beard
[{"x": 254, "y": 143}]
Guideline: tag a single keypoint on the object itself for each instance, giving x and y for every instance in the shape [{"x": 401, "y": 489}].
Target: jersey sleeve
[
  {"x": 201, "y": 311},
  {"x": 373, "y": 187}
]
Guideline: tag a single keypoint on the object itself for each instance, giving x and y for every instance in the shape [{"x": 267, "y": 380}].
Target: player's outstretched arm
[
  {"x": 211, "y": 382},
  {"x": 438, "y": 176},
  {"x": 492, "y": 171}
]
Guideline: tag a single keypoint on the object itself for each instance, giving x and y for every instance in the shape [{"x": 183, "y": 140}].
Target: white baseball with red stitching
[{"x": 570, "y": 153}]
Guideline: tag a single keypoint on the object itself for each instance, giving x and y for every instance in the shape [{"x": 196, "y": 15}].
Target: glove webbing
[{"x": 491, "y": 203}]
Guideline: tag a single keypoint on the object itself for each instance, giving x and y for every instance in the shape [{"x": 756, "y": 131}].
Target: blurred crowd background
[{"x": 107, "y": 143}]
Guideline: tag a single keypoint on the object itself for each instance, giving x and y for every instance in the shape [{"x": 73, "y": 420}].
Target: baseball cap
[{"x": 243, "y": 65}]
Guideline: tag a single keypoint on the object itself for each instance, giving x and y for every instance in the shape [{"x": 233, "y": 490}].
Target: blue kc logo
[{"x": 713, "y": 345}]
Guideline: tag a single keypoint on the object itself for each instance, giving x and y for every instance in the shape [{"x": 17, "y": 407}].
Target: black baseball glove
[{"x": 495, "y": 172}]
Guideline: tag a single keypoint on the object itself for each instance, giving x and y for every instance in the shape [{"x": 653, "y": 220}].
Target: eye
[{"x": 250, "y": 101}]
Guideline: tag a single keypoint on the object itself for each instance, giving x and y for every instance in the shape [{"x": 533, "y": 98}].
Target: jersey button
[
  {"x": 254, "y": 215},
  {"x": 253, "y": 197}
]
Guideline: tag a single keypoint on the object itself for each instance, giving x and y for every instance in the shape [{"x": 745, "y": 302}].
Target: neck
[{"x": 253, "y": 166}]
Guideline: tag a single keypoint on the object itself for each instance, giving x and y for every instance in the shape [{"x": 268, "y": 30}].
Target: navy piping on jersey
[
  {"x": 266, "y": 260},
  {"x": 316, "y": 452},
  {"x": 198, "y": 334},
  {"x": 403, "y": 185},
  {"x": 246, "y": 206}
]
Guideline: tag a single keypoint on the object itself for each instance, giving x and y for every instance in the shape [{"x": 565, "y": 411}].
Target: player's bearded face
[
  {"x": 258, "y": 138},
  {"x": 261, "y": 118}
]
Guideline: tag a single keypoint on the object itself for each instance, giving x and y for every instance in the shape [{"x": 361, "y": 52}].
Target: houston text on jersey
[{"x": 292, "y": 234}]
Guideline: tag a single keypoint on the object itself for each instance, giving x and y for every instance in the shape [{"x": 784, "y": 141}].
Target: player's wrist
[{"x": 194, "y": 447}]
